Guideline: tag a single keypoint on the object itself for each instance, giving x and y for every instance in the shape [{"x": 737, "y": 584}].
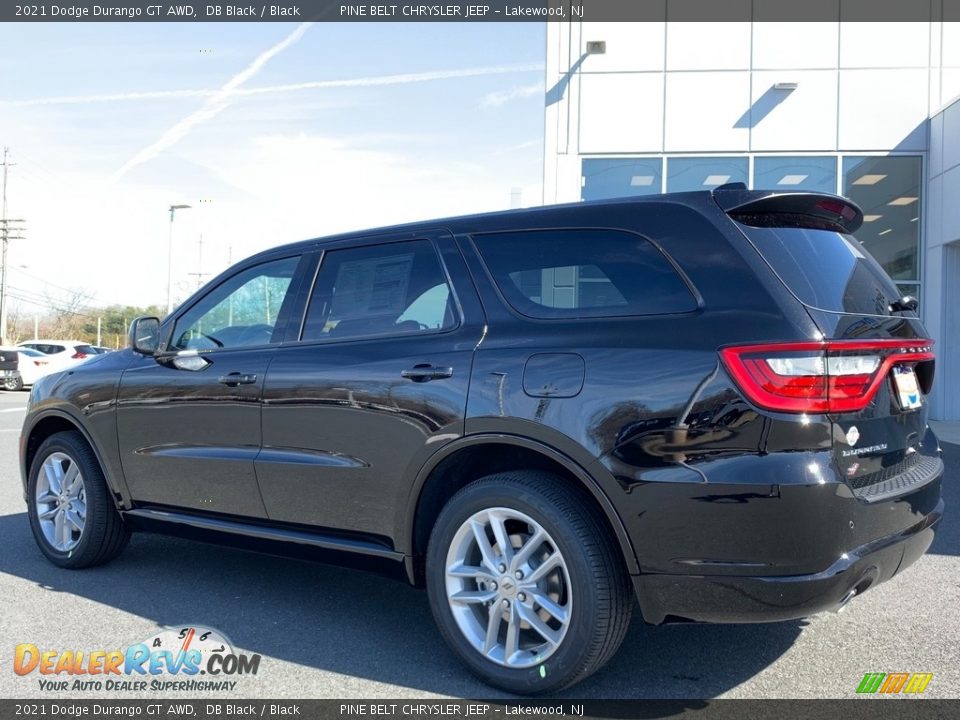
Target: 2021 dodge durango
[{"x": 709, "y": 405}]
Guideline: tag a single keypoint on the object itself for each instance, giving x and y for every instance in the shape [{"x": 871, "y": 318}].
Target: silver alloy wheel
[
  {"x": 508, "y": 587},
  {"x": 61, "y": 501}
]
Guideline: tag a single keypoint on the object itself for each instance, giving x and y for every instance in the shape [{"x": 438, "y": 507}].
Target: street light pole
[{"x": 173, "y": 211}]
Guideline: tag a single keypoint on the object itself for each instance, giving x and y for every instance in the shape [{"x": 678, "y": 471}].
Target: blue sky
[{"x": 435, "y": 119}]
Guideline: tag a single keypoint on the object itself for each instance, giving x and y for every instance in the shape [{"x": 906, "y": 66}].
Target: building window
[
  {"x": 704, "y": 173},
  {"x": 816, "y": 174},
  {"x": 620, "y": 177},
  {"x": 888, "y": 191}
]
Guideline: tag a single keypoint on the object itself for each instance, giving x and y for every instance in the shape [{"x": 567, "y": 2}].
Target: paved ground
[{"x": 326, "y": 632}]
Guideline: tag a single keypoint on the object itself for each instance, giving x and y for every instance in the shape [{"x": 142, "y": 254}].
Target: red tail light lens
[
  {"x": 78, "y": 356},
  {"x": 819, "y": 377}
]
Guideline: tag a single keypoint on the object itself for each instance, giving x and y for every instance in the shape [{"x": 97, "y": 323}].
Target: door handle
[
  {"x": 426, "y": 372},
  {"x": 235, "y": 378}
]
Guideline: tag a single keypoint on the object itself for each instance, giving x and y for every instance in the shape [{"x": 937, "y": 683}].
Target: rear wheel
[
  {"x": 72, "y": 515},
  {"x": 13, "y": 383},
  {"x": 525, "y": 582}
]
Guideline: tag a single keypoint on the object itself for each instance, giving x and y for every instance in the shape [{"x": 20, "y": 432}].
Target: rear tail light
[
  {"x": 821, "y": 377},
  {"x": 78, "y": 356}
]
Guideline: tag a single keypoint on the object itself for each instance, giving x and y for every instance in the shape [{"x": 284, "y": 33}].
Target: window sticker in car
[{"x": 375, "y": 286}]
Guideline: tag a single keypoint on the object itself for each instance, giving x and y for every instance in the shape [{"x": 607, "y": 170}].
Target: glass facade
[
  {"x": 704, "y": 173},
  {"x": 621, "y": 177},
  {"x": 888, "y": 191},
  {"x": 887, "y": 188},
  {"x": 817, "y": 174}
]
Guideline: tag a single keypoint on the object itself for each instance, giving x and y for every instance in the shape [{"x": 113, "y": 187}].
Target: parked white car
[
  {"x": 21, "y": 367},
  {"x": 61, "y": 353},
  {"x": 33, "y": 365}
]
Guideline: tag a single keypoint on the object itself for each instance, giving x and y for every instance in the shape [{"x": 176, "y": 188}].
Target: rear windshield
[
  {"x": 826, "y": 270},
  {"x": 85, "y": 349},
  {"x": 556, "y": 274}
]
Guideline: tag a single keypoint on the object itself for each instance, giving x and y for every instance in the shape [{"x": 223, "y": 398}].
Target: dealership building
[{"x": 866, "y": 110}]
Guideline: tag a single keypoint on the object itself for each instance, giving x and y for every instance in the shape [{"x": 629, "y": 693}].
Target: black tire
[
  {"x": 104, "y": 534},
  {"x": 599, "y": 585},
  {"x": 13, "y": 383}
]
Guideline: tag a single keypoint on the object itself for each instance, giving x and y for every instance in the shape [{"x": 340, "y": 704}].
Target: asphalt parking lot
[{"x": 327, "y": 632}]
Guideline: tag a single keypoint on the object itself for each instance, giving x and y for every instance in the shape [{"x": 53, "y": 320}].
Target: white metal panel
[
  {"x": 884, "y": 44},
  {"x": 801, "y": 119},
  {"x": 950, "y": 44},
  {"x": 949, "y": 347},
  {"x": 621, "y": 112},
  {"x": 935, "y": 157},
  {"x": 950, "y": 218},
  {"x": 708, "y": 46},
  {"x": 883, "y": 109},
  {"x": 950, "y": 85},
  {"x": 951, "y": 137},
  {"x": 703, "y": 110},
  {"x": 931, "y": 312},
  {"x": 631, "y": 46},
  {"x": 795, "y": 45}
]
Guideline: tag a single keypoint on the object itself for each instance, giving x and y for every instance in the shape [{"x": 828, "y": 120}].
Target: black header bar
[
  {"x": 455, "y": 709},
  {"x": 484, "y": 11}
]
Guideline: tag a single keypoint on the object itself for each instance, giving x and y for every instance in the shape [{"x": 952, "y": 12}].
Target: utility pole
[
  {"x": 173, "y": 210},
  {"x": 199, "y": 273},
  {"x": 9, "y": 230}
]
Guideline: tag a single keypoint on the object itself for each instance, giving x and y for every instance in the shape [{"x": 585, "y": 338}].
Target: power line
[{"x": 10, "y": 229}]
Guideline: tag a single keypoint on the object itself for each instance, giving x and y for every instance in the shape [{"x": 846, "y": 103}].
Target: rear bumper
[{"x": 739, "y": 599}]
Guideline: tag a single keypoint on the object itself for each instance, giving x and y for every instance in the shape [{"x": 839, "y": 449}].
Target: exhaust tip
[{"x": 845, "y": 599}]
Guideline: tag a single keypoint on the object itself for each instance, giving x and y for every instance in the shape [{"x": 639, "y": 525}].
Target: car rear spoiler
[{"x": 767, "y": 208}]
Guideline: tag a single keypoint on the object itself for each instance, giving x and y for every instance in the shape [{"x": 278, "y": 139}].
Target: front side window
[
  {"x": 390, "y": 289},
  {"x": 555, "y": 274},
  {"x": 241, "y": 312}
]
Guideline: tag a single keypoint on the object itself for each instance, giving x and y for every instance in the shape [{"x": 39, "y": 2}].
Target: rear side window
[
  {"x": 48, "y": 349},
  {"x": 557, "y": 274},
  {"x": 826, "y": 270}
]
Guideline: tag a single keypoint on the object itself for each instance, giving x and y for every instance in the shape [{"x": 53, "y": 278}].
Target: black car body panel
[{"x": 724, "y": 510}]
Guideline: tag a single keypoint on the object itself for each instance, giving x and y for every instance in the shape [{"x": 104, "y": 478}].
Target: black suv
[{"x": 710, "y": 403}]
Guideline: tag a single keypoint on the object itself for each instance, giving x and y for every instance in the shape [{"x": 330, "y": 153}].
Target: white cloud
[{"x": 502, "y": 97}]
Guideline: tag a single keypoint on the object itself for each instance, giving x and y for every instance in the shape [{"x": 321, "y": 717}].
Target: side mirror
[{"x": 145, "y": 335}]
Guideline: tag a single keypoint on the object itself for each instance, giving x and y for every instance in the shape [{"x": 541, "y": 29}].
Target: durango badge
[{"x": 852, "y": 435}]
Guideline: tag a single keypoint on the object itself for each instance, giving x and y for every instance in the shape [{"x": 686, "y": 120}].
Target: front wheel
[
  {"x": 72, "y": 515},
  {"x": 13, "y": 383},
  {"x": 526, "y": 583}
]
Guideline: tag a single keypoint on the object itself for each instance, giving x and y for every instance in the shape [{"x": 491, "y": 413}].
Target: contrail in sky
[
  {"x": 212, "y": 107},
  {"x": 369, "y": 81}
]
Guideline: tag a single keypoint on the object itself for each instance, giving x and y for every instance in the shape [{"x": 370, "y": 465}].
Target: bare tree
[{"x": 67, "y": 315}]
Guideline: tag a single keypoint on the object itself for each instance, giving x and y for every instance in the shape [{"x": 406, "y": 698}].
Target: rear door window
[
  {"x": 556, "y": 274},
  {"x": 826, "y": 270},
  {"x": 390, "y": 289}
]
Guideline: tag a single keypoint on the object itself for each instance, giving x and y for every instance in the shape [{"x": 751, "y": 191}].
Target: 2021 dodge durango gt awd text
[{"x": 711, "y": 405}]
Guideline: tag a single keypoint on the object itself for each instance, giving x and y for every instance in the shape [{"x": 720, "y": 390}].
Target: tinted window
[
  {"x": 378, "y": 290},
  {"x": 46, "y": 349},
  {"x": 85, "y": 349},
  {"x": 583, "y": 273},
  {"x": 826, "y": 270},
  {"x": 242, "y": 311}
]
